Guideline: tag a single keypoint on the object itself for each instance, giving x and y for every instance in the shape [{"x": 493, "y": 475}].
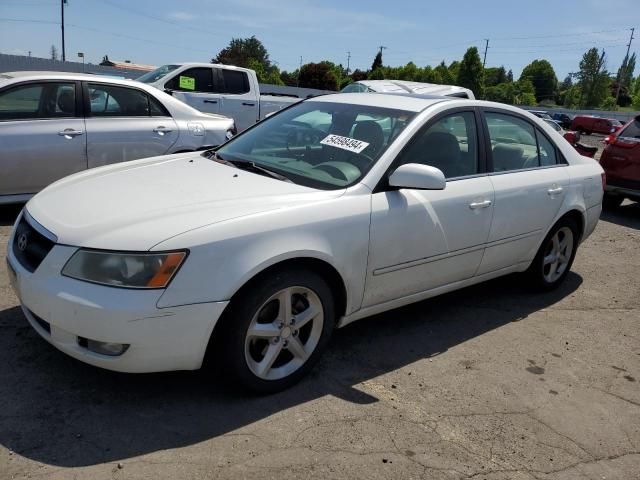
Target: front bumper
[{"x": 64, "y": 311}]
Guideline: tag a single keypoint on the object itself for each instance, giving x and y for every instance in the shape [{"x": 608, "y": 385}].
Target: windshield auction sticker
[{"x": 345, "y": 143}]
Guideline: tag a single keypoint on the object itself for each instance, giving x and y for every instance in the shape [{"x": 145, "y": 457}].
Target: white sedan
[{"x": 332, "y": 210}]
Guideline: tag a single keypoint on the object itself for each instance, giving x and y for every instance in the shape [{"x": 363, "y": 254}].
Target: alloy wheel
[
  {"x": 284, "y": 332},
  {"x": 557, "y": 255}
]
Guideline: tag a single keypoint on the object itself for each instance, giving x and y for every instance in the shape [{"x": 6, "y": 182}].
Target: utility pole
[
  {"x": 382, "y": 47},
  {"x": 627, "y": 57},
  {"x": 299, "y": 68},
  {"x": 486, "y": 47},
  {"x": 348, "y": 61},
  {"x": 62, "y": 3}
]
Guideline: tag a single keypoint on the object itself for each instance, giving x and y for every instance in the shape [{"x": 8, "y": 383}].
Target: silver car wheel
[
  {"x": 284, "y": 332},
  {"x": 557, "y": 255}
]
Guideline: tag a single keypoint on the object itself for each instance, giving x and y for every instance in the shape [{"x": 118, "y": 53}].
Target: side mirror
[
  {"x": 417, "y": 176},
  {"x": 168, "y": 91}
]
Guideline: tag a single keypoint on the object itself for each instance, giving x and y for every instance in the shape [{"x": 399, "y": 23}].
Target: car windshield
[
  {"x": 319, "y": 144},
  {"x": 157, "y": 74},
  {"x": 615, "y": 123},
  {"x": 355, "y": 88}
]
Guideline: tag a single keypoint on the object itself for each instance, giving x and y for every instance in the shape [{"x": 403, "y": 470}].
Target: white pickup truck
[{"x": 216, "y": 88}]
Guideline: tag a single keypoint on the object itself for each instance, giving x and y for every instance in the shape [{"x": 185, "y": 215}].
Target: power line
[
  {"x": 27, "y": 20},
  {"x": 558, "y": 35}
]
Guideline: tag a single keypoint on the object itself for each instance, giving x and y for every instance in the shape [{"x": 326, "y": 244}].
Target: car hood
[{"x": 136, "y": 205}]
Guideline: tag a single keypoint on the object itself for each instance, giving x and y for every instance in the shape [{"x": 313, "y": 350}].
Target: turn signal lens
[{"x": 169, "y": 266}]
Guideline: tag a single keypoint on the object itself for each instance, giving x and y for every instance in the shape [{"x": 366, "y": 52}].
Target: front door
[
  {"x": 125, "y": 123},
  {"x": 423, "y": 239},
  {"x": 530, "y": 182},
  {"x": 197, "y": 88},
  {"x": 42, "y": 135}
]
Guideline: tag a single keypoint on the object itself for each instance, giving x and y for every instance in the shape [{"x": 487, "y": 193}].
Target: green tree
[
  {"x": 524, "y": 92},
  {"x": 377, "y": 61},
  {"x": 454, "y": 70},
  {"x": 543, "y": 77},
  {"x": 471, "y": 73},
  {"x": 289, "y": 79},
  {"x": 625, "y": 72},
  {"x": 494, "y": 76},
  {"x": 241, "y": 51},
  {"x": 408, "y": 72},
  {"x": 444, "y": 73},
  {"x": 318, "y": 75},
  {"x": 593, "y": 79},
  {"x": 377, "y": 74},
  {"x": 510, "y": 76},
  {"x": 270, "y": 76},
  {"x": 504, "y": 93},
  {"x": 358, "y": 75}
]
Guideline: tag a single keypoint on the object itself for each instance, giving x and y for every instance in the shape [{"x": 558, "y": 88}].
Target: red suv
[
  {"x": 588, "y": 124},
  {"x": 621, "y": 162}
]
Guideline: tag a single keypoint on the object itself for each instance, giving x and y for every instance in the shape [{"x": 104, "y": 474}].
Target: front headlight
[{"x": 127, "y": 270}]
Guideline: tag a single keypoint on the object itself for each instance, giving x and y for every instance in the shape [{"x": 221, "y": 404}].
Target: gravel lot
[{"x": 491, "y": 382}]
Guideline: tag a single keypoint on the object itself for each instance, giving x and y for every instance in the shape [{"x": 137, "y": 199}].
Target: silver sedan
[{"x": 53, "y": 124}]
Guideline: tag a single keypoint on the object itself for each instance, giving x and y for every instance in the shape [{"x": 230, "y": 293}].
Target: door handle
[
  {"x": 210, "y": 101},
  {"x": 554, "y": 191},
  {"x": 248, "y": 104},
  {"x": 70, "y": 133},
  {"x": 162, "y": 130},
  {"x": 476, "y": 205}
]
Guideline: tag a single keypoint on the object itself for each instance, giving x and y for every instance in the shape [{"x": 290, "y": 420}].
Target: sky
[{"x": 157, "y": 32}]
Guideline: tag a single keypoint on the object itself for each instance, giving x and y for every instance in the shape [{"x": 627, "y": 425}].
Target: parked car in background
[
  {"x": 216, "y": 88},
  {"x": 541, "y": 114},
  {"x": 404, "y": 86},
  {"x": 574, "y": 139},
  {"x": 621, "y": 162},
  {"x": 564, "y": 119},
  {"x": 53, "y": 124},
  {"x": 338, "y": 208},
  {"x": 589, "y": 124}
]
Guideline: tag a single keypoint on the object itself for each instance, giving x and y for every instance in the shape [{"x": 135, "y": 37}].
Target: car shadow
[
  {"x": 9, "y": 213},
  {"x": 627, "y": 215},
  {"x": 59, "y": 411}
]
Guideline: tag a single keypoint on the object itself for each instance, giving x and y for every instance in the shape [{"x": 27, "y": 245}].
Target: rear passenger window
[
  {"x": 450, "y": 144},
  {"x": 548, "y": 155},
  {"x": 112, "y": 101},
  {"x": 235, "y": 81},
  {"x": 513, "y": 143}
]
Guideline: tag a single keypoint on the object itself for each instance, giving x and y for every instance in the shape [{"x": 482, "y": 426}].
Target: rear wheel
[
  {"x": 277, "y": 329},
  {"x": 555, "y": 256},
  {"x": 612, "y": 201}
]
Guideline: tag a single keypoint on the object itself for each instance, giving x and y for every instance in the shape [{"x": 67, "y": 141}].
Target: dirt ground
[{"x": 491, "y": 382}]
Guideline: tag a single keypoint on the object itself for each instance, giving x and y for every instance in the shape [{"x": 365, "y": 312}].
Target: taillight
[{"x": 604, "y": 180}]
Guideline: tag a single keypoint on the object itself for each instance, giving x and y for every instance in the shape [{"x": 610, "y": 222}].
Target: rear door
[
  {"x": 239, "y": 100},
  {"x": 125, "y": 123},
  {"x": 42, "y": 135},
  {"x": 530, "y": 180},
  {"x": 196, "y": 87}
]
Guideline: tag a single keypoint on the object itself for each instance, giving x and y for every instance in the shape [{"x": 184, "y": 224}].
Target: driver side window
[{"x": 449, "y": 144}]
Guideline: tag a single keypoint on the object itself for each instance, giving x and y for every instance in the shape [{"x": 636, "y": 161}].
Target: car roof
[
  {"x": 412, "y": 103},
  {"x": 43, "y": 75},
  {"x": 400, "y": 86}
]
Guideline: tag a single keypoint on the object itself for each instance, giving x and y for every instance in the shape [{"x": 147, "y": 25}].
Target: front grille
[{"x": 30, "y": 246}]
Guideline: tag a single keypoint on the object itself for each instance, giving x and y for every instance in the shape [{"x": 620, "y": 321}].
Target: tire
[
  {"x": 612, "y": 201},
  {"x": 280, "y": 353},
  {"x": 547, "y": 273}
]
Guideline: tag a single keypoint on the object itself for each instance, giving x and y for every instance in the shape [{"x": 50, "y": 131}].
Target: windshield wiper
[{"x": 248, "y": 166}]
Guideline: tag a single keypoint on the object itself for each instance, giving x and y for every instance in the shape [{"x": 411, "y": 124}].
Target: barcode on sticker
[{"x": 345, "y": 143}]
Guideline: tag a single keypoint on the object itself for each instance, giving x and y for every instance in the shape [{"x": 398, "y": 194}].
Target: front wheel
[
  {"x": 555, "y": 256},
  {"x": 277, "y": 329}
]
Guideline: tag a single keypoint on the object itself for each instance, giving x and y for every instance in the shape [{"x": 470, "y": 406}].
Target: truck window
[
  {"x": 235, "y": 82},
  {"x": 198, "y": 79}
]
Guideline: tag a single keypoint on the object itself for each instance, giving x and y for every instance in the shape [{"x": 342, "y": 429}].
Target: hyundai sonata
[{"x": 332, "y": 210}]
